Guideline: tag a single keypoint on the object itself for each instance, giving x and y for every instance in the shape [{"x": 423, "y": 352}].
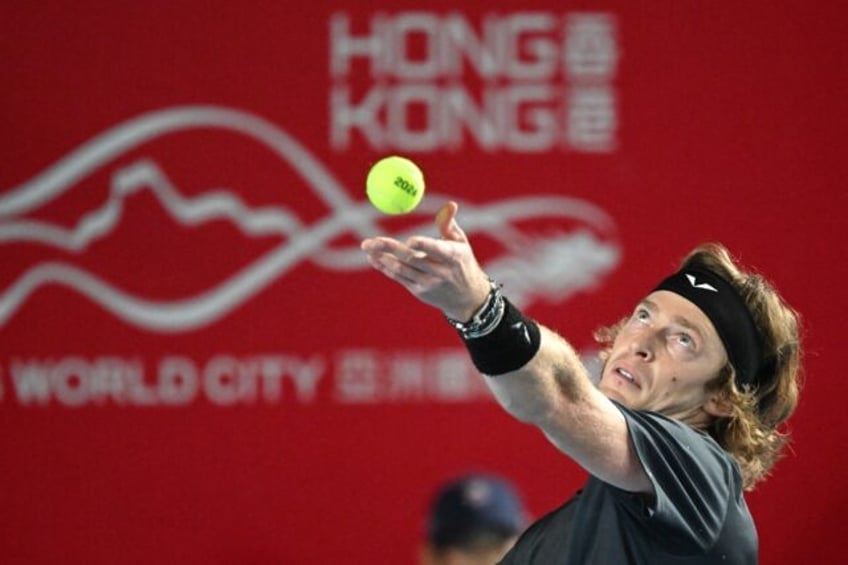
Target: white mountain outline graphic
[{"x": 302, "y": 242}]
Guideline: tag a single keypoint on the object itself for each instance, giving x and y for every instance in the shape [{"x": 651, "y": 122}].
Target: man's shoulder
[
  {"x": 657, "y": 421},
  {"x": 657, "y": 436}
]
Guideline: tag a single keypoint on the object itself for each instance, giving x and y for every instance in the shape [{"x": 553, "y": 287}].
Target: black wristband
[{"x": 510, "y": 346}]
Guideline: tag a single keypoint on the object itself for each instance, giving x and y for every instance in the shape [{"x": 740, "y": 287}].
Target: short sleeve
[{"x": 693, "y": 477}]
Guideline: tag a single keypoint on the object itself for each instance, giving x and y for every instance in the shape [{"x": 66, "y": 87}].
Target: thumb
[{"x": 446, "y": 222}]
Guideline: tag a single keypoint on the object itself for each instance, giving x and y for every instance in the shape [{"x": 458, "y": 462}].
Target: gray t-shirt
[{"x": 699, "y": 515}]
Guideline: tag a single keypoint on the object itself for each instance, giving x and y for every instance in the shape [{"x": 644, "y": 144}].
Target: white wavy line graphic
[
  {"x": 302, "y": 242},
  {"x": 187, "y": 211},
  {"x": 61, "y": 176}
]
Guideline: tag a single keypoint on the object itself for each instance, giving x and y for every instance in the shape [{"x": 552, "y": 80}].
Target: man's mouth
[{"x": 627, "y": 376}]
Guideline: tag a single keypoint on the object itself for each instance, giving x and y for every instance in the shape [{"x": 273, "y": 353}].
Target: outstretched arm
[{"x": 552, "y": 390}]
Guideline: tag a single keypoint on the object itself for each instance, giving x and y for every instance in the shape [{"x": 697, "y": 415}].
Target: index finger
[
  {"x": 436, "y": 249},
  {"x": 391, "y": 246}
]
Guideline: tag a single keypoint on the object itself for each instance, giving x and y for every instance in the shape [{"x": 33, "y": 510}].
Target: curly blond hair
[{"x": 753, "y": 433}]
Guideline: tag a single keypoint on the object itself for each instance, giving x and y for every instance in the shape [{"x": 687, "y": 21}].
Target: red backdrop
[{"x": 196, "y": 365}]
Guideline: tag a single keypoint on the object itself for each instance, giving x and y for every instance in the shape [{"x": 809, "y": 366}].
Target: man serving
[{"x": 684, "y": 419}]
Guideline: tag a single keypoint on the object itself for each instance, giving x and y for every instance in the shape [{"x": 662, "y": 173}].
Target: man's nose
[{"x": 644, "y": 345}]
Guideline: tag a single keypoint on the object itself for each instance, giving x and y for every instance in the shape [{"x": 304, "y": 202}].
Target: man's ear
[{"x": 719, "y": 406}]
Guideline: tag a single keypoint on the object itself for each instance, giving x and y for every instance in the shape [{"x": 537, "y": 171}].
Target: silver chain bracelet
[{"x": 486, "y": 318}]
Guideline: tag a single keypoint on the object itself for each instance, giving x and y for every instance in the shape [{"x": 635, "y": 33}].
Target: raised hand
[{"x": 441, "y": 272}]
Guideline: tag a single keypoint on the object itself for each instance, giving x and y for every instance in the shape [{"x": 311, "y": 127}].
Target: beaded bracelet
[{"x": 487, "y": 317}]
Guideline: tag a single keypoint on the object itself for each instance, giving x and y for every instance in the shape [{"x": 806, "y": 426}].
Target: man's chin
[{"x": 615, "y": 394}]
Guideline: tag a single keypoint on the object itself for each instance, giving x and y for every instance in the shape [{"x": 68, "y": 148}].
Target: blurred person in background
[{"x": 473, "y": 520}]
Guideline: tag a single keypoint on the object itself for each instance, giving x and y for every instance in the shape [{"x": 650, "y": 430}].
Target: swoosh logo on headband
[{"x": 694, "y": 282}]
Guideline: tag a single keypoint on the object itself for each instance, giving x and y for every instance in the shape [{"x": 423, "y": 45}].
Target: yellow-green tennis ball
[{"x": 395, "y": 185}]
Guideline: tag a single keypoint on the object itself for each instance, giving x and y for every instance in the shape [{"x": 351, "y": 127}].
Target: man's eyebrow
[{"x": 648, "y": 304}]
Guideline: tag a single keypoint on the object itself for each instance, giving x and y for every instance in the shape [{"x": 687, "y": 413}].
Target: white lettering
[
  {"x": 418, "y": 101},
  {"x": 591, "y": 50},
  {"x": 523, "y": 118},
  {"x": 30, "y": 382},
  {"x": 69, "y": 380},
  {"x": 461, "y": 43},
  {"x": 592, "y": 119},
  {"x": 305, "y": 376},
  {"x": 360, "y": 376},
  {"x": 344, "y": 46},
  {"x": 356, "y": 377},
  {"x": 363, "y": 117},
  {"x": 75, "y": 381},
  {"x": 419, "y": 46},
  {"x": 542, "y": 64},
  {"x": 406, "y": 27},
  {"x": 119, "y": 380},
  {"x": 271, "y": 371},
  {"x": 456, "y": 379},
  {"x": 229, "y": 380},
  {"x": 459, "y": 113},
  {"x": 407, "y": 377},
  {"x": 178, "y": 380},
  {"x": 225, "y": 380},
  {"x": 371, "y": 376},
  {"x": 532, "y": 125},
  {"x": 402, "y": 106}
]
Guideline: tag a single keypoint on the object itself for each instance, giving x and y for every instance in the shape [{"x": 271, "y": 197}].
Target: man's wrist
[{"x": 486, "y": 318}]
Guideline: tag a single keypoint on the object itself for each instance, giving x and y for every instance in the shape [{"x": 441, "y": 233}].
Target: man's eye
[
  {"x": 642, "y": 315},
  {"x": 685, "y": 340}
]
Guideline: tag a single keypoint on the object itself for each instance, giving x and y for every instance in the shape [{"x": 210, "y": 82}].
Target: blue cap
[{"x": 474, "y": 508}]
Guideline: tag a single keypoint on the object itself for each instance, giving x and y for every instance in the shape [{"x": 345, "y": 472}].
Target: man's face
[
  {"x": 454, "y": 556},
  {"x": 663, "y": 357}
]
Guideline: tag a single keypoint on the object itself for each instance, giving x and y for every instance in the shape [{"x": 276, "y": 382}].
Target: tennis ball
[{"x": 395, "y": 185}]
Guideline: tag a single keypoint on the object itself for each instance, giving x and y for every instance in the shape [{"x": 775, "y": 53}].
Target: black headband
[{"x": 730, "y": 316}]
